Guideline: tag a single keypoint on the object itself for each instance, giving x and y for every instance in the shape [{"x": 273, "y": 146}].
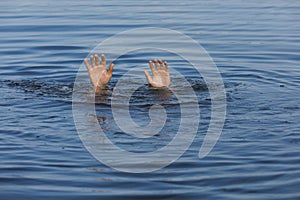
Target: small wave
[{"x": 40, "y": 88}]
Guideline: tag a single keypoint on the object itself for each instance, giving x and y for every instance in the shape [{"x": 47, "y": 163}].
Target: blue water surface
[{"x": 255, "y": 45}]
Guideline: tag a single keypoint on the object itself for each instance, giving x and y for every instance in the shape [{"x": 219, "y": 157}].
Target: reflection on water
[{"x": 255, "y": 46}]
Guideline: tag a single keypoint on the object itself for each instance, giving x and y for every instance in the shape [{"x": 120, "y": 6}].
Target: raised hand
[
  {"x": 99, "y": 76},
  {"x": 160, "y": 72}
]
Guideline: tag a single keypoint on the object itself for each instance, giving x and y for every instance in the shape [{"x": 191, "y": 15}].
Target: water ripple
[{"x": 255, "y": 45}]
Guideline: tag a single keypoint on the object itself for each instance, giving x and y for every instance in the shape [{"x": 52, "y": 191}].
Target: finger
[
  {"x": 156, "y": 64},
  {"x": 160, "y": 64},
  {"x": 92, "y": 61},
  {"x": 151, "y": 66},
  {"x": 111, "y": 68},
  {"x": 166, "y": 66},
  {"x": 149, "y": 78},
  {"x": 97, "y": 60},
  {"x": 103, "y": 59},
  {"x": 86, "y": 62}
]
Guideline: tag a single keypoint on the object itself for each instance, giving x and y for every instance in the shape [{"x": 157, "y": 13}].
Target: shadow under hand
[{"x": 160, "y": 94}]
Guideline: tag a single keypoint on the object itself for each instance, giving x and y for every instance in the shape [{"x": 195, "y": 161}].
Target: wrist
[{"x": 98, "y": 89}]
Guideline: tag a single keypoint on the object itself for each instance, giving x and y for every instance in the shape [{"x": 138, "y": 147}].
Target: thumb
[
  {"x": 111, "y": 68},
  {"x": 149, "y": 78}
]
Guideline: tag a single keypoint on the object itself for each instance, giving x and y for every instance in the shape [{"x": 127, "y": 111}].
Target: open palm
[
  {"x": 160, "y": 72},
  {"x": 99, "y": 76}
]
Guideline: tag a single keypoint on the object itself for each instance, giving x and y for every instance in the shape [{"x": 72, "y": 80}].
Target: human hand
[
  {"x": 99, "y": 76},
  {"x": 160, "y": 72}
]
